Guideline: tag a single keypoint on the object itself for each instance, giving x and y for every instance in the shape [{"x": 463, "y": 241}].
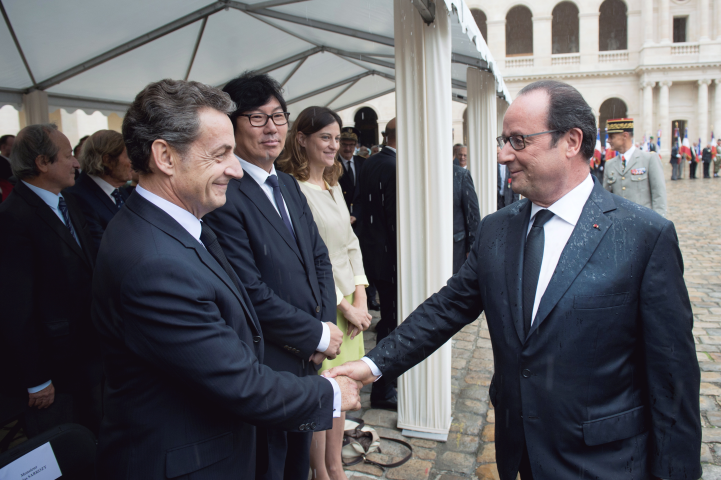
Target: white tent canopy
[{"x": 98, "y": 54}]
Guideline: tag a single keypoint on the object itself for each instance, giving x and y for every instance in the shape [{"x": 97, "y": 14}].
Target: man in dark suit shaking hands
[
  {"x": 268, "y": 233},
  {"x": 595, "y": 368},
  {"x": 183, "y": 348}
]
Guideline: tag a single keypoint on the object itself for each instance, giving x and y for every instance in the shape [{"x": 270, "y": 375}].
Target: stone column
[
  {"x": 717, "y": 107},
  {"x": 542, "y": 41},
  {"x": 35, "y": 105},
  {"x": 665, "y": 28},
  {"x": 588, "y": 46},
  {"x": 648, "y": 108},
  {"x": 663, "y": 118},
  {"x": 717, "y": 23},
  {"x": 648, "y": 23},
  {"x": 704, "y": 20},
  {"x": 425, "y": 203},
  {"x": 702, "y": 110}
]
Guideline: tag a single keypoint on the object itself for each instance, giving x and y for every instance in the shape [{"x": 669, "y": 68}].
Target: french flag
[
  {"x": 597, "y": 148},
  {"x": 686, "y": 146},
  {"x": 609, "y": 152}
]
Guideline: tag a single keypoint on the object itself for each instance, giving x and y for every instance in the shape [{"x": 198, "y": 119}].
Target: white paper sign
[{"x": 40, "y": 464}]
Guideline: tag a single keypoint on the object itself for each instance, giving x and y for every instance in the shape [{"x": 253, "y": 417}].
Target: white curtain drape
[
  {"x": 482, "y": 128},
  {"x": 35, "y": 105},
  {"x": 425, "y": 202}
]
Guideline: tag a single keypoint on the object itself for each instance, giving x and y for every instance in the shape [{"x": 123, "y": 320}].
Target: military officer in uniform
[{"x": 634, "y": 175}]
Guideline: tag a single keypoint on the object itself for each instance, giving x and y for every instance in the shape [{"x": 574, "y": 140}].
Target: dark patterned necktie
[
  {"x": 118, "y": 198},
  {"x": 532, "y": 259},
  {"x": 272, "y": 180},
  {"x": 349, "y": 171},
  {"x": 210, "y": 240},
  {"x": 63, "y": 207}
]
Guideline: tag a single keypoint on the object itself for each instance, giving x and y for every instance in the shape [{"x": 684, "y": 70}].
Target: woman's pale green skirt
[{"x": 350, "y": 349}]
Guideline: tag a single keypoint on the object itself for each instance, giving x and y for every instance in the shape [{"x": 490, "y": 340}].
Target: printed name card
[{"x": 40, "y": 464}]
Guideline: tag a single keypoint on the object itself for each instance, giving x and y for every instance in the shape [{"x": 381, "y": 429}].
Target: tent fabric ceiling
[{"x": 336, "y": 53}]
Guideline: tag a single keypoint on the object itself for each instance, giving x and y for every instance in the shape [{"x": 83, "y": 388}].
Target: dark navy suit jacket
[
  {"x": 606, "y": 385},
  {"x": 97, "y": 207},
  {"x": 289, "y": 283},
  {"x": 183, "y": 351},
  {"x": 466, "y": 215}
]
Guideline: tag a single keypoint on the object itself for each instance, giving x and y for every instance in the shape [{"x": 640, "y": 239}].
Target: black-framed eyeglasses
[
  {"x": 518, "y": 142},
  {"x": 261, "y": 119}
]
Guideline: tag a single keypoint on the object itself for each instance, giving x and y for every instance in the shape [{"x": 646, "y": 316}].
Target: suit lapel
[
  {"x": 515, "y": 243},
  {"x": 80, "y": 223},
  {"x": 101, "y": 195},
  {"x": 580, "y": 247},
  {"x": 252, "y": 190}
]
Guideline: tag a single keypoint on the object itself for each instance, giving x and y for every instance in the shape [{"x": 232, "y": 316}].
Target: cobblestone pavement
[{"x": 470, "y": 450}]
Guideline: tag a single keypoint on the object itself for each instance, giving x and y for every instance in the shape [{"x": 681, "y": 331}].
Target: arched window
[
  {"x": 481, "y": 21},
  {"x": 519, "y": 32},
  {"x": 565, "y": 28},
  {"x": 366, "y": 120},
  {"x": 612, "y": 26},
  {"x": 610, "y": 109}
]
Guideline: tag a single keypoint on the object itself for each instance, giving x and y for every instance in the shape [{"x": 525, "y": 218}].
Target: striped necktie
[{"x": 63, "y": 207}]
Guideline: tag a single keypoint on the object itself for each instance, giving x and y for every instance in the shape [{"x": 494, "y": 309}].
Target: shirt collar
[
  {"x": 104, "y": 186},
  {"x": 391, "y": 148},
  {"x": 186, "y": 219},
  {"x": 46, "y": 196},
  {"x": 345, "y": 159},
  {"x": 258, "y": 174},
  {"x": 570, "y": 206},
  {"x": 630, "y": 151}
]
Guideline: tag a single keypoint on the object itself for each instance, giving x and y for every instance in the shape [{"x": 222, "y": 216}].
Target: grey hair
[
  {"x": 567, "y": 109},
  {"x": 168, "y": 110},
  {"x": 33, "y": 141}
]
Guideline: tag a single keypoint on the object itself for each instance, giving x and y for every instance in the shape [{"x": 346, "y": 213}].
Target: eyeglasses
[
  {"x": 518, "y": 142},
  {"x": 261, "y": 119}
]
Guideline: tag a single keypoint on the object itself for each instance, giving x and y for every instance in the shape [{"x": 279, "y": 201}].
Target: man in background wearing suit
[
  {"x": 48, "y": 345},
  {"x": 267, "y": 231},
  {"x": 378, "y": 243},
  {"x": 182, "y": 345},
  {"x": 106, "y": 168},
  {"x": 6, "y": 173},
  {"x": 590, "y": 321},
  {"x": 466, "y": 215},
  {"x": 506, "y": 195},
  {"x": 460, "y": 155},
  {"x": 634, "y": 174}
]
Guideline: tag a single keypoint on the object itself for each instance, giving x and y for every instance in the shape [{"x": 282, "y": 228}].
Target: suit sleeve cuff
[
  {"x": 324, "y": 339},
  {"x": 337, "y": 399},
  {"x": 374, "y": 369},
  {"x": 361, "y": 280},
  {"x": 40, "y": 387}
]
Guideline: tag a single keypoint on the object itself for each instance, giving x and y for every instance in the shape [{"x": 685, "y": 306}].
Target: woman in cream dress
[{"x": 310, "y": 155}]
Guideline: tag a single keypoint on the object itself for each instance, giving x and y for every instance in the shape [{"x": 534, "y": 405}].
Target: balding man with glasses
[
  {"x": 267, "y": 232},
  {"x": 595, "y": 370}
]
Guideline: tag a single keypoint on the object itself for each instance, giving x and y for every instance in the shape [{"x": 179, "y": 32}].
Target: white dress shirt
[
  {"x": 192, "y": 224},
  {"x": 567, "y": 210},
  {"x": 260, "y": 176},
  {"x": 504, "y": 176},
  {"x": 105, "y": 186}
]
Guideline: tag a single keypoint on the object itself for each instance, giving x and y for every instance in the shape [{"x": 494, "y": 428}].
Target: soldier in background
[{"x": 634, "y": 175}]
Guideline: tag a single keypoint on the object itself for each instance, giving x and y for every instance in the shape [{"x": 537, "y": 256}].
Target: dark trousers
[
  {"x": 692, "y": 170},
  {"x": 706, "y": 166},
  {"x": 388, "y": 296},
  {"x": 288, "y": 455},
  {"x": 83, "y": 407}
]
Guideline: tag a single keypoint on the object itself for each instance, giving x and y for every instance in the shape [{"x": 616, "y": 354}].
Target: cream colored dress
[{"x": 331, "y": 215}]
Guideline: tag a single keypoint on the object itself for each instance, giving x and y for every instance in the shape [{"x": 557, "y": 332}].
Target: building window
[
  {"x": 519, "y": 32},
  {"x": 564, "y": 28},
  {"x": 610, "y": 109},
  {"x": 679, "y": 29},
  {"x": 612, "y": 26},
  {"x": 481, "y": 21}
]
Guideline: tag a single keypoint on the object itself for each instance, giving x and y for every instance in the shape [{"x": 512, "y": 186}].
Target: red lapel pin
[{"x": 595, "y": 225}]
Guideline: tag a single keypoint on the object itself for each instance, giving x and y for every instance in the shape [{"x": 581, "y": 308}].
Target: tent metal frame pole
[
  {"x": 427, "y": 10},
  {"x": 17, "y": 43},
  {"x": 470, "y": 61},
  {"x": 292, "y": 72},
  {"x": 360, "y": 57},
  {"x": 132, "y": 44},
  {"x": 329, "y": 27},
  {"x": 367, "y": 99},
  {"x": 273, "y": 3},
  {"x": 341, "y": 93},
  {"x": 282, "y": 63},
  {"x": 195, "y": 50},
  {"x": 331, "y": 87}
]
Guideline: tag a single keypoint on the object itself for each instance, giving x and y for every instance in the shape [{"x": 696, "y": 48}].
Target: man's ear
[
  {"x": 42, "y": 162},
  {"x": 163, "y": 157},
  {"x": 575, "y": 140}
]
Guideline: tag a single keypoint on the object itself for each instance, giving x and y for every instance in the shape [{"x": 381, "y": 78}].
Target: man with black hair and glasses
[
  {"x": 595, "y": 370},
  {"x": 266, "y": 230}
]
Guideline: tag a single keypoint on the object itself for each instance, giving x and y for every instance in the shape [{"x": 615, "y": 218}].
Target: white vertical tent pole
[
  {"x": 425, "y": 204},
  {"x": 482, "y": 137},
  {"x": 35, "y": 105}
]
